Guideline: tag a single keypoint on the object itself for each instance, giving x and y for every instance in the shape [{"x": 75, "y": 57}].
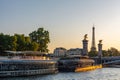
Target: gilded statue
[
  {"x": 100, "y": 41},
  {"x": 85, "y": 37}
]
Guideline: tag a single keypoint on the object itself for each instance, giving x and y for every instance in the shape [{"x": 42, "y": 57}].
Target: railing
[
  {"x": 112, "y": 62},
  {"x": 27, "y": 72}
]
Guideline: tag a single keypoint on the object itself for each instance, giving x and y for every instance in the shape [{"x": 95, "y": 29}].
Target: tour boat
[
  {"x": 77, "y": 64},
  {"x": 26, "y": 67}
]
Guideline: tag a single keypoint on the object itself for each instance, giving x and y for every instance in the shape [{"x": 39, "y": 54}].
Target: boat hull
[
  {"x": 27, "y": 72},
  {"x": 66, "y": 69},
  {"x": 79, "y": 69}
]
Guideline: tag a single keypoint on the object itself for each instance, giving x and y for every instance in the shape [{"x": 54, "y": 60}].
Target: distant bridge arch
[
  {"x": 107, "y": 60},
  {"x": 110, "y": 59},
  {"x": 112, "y": 62}
]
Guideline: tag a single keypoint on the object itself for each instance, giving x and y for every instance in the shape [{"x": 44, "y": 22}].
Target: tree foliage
[
  {"x": 36, "y": 41},
  {"x": 7, "y": 42},
  {"x": 113, "y": 52},
  {"x": 41, "y": 37},
  {"x": 92, "y": 53},
  {"x": 106, "y": 53}
]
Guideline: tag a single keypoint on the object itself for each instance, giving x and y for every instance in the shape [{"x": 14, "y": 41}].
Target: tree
[
  {"x": 105, "y": 53},
  {"x": 41, "y": 37},
  {"x": 1, "y": 42},
  {"x": 13, "y": 44},
  {"x": 5, "y": 42},
  {"x": 113, "y": 52},
  {"x": 37, "y": 41},
  {"x": 20, "y": 42},
  {"x": 34, "y": 46},
  {"x": 92, "y": 53}
]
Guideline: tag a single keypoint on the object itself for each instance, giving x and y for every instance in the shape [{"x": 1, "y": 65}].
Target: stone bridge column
[
  {"x": 100, "y": 49},
  {"x": 85, "y": 46},
  {"x": 100, "y": 52}
]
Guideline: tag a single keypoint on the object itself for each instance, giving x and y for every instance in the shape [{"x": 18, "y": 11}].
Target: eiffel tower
[{"x": 93, "y": 48}]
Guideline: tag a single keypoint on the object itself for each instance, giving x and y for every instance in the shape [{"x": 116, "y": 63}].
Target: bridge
[
  {"x": 108, "y": 61},
  {"x": 111, "y": 61}
]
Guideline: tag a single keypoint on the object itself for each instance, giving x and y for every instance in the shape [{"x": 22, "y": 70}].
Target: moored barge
[
  {"x": 26, "y": 67},
  {"x": 77, "y": 64}
]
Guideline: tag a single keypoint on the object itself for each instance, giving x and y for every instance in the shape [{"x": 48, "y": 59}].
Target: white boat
[{"x": 26, "y": 67}]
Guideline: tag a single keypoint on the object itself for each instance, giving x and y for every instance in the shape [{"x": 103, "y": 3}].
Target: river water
[{"x": 98, "y": 74}]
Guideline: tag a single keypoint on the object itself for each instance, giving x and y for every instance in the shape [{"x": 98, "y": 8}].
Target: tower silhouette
[{"x": 93, "y": 48}]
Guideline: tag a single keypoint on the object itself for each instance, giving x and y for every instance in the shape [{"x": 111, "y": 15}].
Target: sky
[{"x": 66, "y": 20}]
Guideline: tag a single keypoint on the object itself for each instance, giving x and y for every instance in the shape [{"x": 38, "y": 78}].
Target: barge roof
[{"x": 25, "y": 60}]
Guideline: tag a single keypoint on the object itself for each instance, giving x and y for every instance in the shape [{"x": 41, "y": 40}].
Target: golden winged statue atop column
[{"x": 85, "y": 37}]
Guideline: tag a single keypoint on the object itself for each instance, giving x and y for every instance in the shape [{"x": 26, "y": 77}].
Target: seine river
[{"x": 99, "y": 74}]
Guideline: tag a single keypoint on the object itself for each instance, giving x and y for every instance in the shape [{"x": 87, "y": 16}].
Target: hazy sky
[{"x": 66, "y": 20}]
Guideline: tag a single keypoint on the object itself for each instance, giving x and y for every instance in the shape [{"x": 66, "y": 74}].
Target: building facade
[
  {"x": 59, "y": 52},
  {"x": 74, "y": 52}
]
